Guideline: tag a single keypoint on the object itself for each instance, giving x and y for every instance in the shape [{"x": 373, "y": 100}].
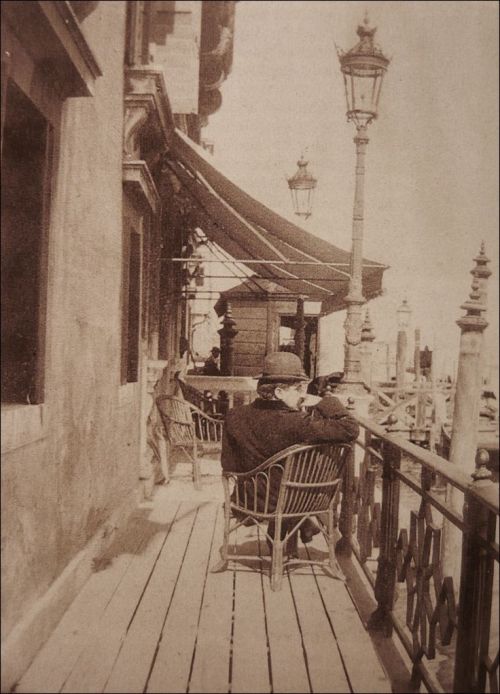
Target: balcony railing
[
  {"x": 240, "y": 390},
  {"x": 395, "y": 506},
  {"x": 373, "y": 527}
]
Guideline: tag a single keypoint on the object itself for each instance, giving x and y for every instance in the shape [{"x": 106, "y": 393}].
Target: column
[
  {"x": 355, "y": 298},
  {"x": 464, "y": 436}
]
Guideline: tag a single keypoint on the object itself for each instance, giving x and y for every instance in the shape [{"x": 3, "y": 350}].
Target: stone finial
[
  {"x": 367, "y": 334},
  {"x": 481, "y": 271},
  {"x": 474, "y": 307},
  {"x": 228, "y": 321},
  {"x": 481, "y": 472},
  {"x": 392, "y": 421},
  {"x": 481, "y": 260}
]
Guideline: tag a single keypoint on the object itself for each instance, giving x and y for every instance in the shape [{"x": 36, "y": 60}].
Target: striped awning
[{"x": 277, "y": 249}]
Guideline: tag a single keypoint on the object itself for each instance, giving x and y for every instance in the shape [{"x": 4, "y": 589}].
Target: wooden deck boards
[{"x": 155, "y": 619}]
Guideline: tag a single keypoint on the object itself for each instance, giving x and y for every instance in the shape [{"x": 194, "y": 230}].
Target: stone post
[
  {"x": 464, "y": 435},
  {"x": 476, "y": 596},
  {"x": 227, "y": 334},
  {"x": 367, "y": 338},
  {"x": 401, "y": 349},
  {"x": 416, "y": 356}
]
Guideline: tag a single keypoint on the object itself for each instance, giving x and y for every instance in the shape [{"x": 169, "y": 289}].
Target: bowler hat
[{"x": 283, "y": 366}]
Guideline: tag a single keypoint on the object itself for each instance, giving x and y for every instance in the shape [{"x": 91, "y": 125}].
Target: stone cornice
[{"x": 71, "y": 25}]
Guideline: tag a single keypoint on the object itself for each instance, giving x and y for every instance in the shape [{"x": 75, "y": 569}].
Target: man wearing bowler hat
[{"x": 275, "y": 420}]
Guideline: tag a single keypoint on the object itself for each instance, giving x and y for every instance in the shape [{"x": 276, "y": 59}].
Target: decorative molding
[
  {"x": 145, "y": 89},
  {"x": 147, "y": 112},
  {"x": 138, "y": 109},
  {"x": 216, "y": 55},
  {"x": 136, "y": 174}
]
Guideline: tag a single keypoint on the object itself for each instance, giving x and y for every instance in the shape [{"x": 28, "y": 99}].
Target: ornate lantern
[
  {"x": 404, "y": 315},
  {"x": 302, "y": 185},
  {"x": 363, "y": 68}
]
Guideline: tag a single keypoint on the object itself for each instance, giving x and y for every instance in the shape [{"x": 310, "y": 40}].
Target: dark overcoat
[{"x": 253, "y": 433}]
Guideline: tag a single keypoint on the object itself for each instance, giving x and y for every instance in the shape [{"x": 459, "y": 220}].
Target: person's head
[
  {"x": 215, "y": 351},
  {"x": 283, "y": 378},
  {"x": 291, "y": 393}
]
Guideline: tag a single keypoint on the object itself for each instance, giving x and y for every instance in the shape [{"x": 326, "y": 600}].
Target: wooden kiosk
[{"x": 265, "y": 315}]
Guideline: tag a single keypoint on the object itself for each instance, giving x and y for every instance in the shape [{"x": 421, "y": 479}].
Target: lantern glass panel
[
  {"x": 362, "y": 94},
  {"x": 302, "y": 199}
]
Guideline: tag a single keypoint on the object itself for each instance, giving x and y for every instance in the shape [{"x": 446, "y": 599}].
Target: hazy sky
[{"x": 431, "y": 191}]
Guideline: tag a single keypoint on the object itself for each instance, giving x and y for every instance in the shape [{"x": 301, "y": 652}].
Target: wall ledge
[{"x": 52, "y": 31}]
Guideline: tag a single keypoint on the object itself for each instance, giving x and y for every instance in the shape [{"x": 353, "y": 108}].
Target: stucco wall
[{"x": 58, "y": 489}]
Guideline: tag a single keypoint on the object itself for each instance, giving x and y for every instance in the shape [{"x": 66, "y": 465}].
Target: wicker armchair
[
  {"x": 309, "y": 478},
  {"x": 187, "y": 427}
]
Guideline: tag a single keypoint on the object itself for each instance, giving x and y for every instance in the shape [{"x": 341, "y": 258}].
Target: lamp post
[
  {"x": 404, "y": 317},
  {"x": 363, "y": 68},
  {"x": 302, "y": 185}
]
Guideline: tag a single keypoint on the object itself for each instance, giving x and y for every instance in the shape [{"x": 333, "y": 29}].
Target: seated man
[
  {"x": 275, "y": 420},
  {"x": 212, "y": 364}
]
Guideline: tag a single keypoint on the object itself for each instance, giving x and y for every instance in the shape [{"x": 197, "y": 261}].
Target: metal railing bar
[
  {"x": 431, "y": 461},
  {"x": 376, "y": 454},
  {"x": 433, "y": 499}
]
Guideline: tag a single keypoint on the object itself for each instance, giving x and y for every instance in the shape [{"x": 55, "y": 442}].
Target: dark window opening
[
  {"x": 25, "y": 196},
  {"x": 131, "y": 310}
]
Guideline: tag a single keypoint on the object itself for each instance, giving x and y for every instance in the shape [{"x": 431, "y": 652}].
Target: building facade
[{"x": 91, "y": 309}]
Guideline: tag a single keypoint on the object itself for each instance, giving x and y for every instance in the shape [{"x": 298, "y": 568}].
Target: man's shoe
[{"x": 308, "y": 530}]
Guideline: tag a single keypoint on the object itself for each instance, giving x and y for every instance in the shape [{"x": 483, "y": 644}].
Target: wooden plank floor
[{"x": 153, "y": 618}]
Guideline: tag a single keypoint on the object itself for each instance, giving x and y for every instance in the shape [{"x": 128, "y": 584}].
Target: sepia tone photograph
[{"x": 250, "y": 346}]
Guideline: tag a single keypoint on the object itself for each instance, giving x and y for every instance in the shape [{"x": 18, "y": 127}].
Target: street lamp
[
  {"x": 302, "y": 185},
  {"x": 403, "y": 317},
  {"x": 363, "y": 68}
]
